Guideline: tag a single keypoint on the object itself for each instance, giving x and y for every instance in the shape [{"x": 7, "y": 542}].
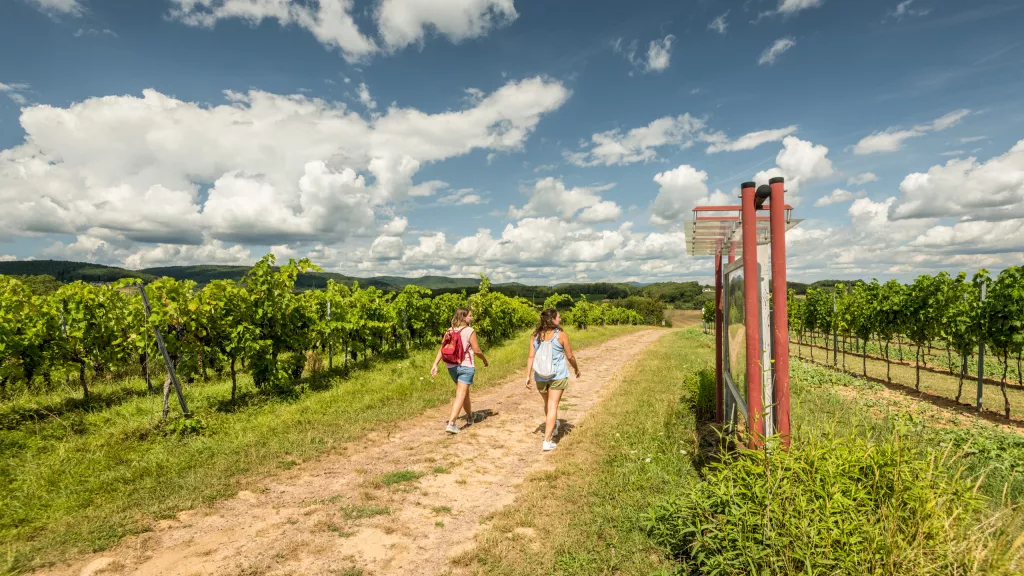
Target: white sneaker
[
  {"x": 451, "y": 429},
  {"x": 548, "y": 446}
]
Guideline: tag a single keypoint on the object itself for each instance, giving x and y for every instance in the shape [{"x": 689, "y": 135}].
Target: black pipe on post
[{"x": 764, "y": 191}]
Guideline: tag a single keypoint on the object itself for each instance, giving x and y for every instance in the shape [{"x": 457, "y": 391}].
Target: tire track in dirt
[{"x": 335, "y": 512}]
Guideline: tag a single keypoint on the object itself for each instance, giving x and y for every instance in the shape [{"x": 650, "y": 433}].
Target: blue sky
[{"x": 534, "y": 141}]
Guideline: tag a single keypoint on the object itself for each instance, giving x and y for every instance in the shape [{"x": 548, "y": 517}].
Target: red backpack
[{"x": 452, "y": 351}]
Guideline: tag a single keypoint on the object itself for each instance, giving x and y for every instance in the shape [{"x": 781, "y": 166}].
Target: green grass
[
  {"x": 79, "y": 477},
  {"x": 399, "y": 477},
  {"x": 947, "y": 508}
]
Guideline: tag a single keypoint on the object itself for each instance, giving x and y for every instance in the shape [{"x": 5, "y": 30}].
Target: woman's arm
[
  {"x": 529, "y": 366},
  {"x": 437, "y": 360},
  {"x": 476, "y": 348},
  {"x": 564, "y": 339}
]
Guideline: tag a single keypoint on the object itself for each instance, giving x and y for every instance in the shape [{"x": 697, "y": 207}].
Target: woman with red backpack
[{"x": 458, "y": 351}]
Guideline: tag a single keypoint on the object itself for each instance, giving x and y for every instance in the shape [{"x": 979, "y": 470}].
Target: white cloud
[
  {"x": 396, "y": 227},
  {"x": 550, "y": 250},
  {"x": 387, "y": 248},
  {"x": 974, "y": 237},
  {"x": 14, "y": 92},
  {"x": 777, "y": 48},
  {"x": 550, "y": 198},
  {"x": 860, "y": 179},
  {"x": 719, "y": 24},
  {"x": 993, "y": 190},
  {"x": 748, "y": 141},
  {"x": 462, "y": 197},
  {"x": 614, "y": 147},
  {"x": 794, "y": 6},
  {"x": 93, "y": 32},
  {"x": 470, "y": 199},
  {"x": 8, "y": 258},
  {"x": 970, "y": 139},
  {"x": 947, "y": 121},
  {"x": 405, "y": 22},
  {"x": 788, "y": 8},
  {"x": 657, "y": 58},
  {"x": 659, "y": 54},
  {"x": 680, "y": 190},
  {"x": 719, "y": 198},
  {"x": 428, "y": 188},
  {"x": 99, "y": 245},
  {"x": 952, "y": 153},
  {"x": 888, "y": 141},
  {"x": 903, "y": 10},
  {"x": 838, "y": 195},
  {"x": 59, "y": 7},
  {"x": 892, "y": 139},
  {"x": 604, "y": 211},
  {"x": 262, "y": 169},
  {"x": 399, "y": 22},
  {"x": 330, "y": 21},
  {"x": 365, "y": 98},
  {"x": 799, "y": 162}
]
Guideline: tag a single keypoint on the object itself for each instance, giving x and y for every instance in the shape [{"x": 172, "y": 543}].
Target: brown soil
[{"x": 335, "y": 514}]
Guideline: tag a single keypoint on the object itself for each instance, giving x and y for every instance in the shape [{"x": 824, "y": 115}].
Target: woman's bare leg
[
  {"x": 551, "y": 413},
  {"x": 544, "y": 399},
  {"x": 466, "y": 406},
  {"x": 461, "y": 399}
]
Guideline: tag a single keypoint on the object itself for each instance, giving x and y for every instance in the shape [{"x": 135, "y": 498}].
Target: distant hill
[
  {"x": 432, "y": 282},
  {"x": 801, "y": 287},
  {"x": 65, "y": 271}
]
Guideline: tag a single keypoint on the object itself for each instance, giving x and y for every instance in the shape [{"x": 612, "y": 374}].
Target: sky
[{"x": 534, "y": 141}]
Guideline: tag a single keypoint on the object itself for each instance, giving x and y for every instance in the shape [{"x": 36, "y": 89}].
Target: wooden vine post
[{"x": 172, "y": 378}]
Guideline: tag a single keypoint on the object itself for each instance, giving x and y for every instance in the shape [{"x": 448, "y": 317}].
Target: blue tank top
[{"x": 557, "y": 359}]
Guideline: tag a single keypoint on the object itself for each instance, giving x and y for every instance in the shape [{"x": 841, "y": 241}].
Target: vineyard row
[
  {"x": 966, "y": 317},
  {"x": 261, "y": 324}
]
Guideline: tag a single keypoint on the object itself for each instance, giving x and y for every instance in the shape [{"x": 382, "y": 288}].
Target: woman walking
[
  {"x": 547, "y": 368},
  {"x": 458, "y": 350}
]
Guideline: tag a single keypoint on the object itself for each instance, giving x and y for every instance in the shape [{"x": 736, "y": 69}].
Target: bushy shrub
[{"x": 836, "y": 506}]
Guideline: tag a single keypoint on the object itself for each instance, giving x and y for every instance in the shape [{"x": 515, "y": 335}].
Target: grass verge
[
  {"x": 867, "y": 489},
  {"x": 82, "y": 480}
]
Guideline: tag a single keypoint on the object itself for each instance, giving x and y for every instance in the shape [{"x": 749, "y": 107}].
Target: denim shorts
[{"x": 462, "y": 374}]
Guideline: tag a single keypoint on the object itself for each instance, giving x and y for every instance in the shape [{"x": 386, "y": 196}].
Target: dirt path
[{"x": 336, "y": 514}]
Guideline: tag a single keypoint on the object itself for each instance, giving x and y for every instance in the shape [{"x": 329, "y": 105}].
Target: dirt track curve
[{"x": 334, "y": 513}]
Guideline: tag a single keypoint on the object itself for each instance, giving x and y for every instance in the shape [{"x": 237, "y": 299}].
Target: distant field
[{"x": 683, "y": 318}]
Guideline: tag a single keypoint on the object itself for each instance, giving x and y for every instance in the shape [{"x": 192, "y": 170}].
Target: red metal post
[
  {"x": 752, "y": 317},
  {"x": 780, "y": 316},
  {"x": 719, "y": 384},
  {"x": 732, "y": 252}
]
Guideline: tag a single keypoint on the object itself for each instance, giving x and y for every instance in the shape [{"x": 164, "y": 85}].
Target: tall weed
[{"x": 832, "y": 505}]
